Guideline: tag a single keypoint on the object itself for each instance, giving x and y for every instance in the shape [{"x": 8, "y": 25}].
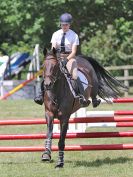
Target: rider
[{"x": 66, "y": 41}]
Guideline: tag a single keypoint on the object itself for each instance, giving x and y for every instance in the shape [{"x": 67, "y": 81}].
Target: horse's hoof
[
  {"x": 46, "y": 157},
  {"x": 59, "y": 165}
]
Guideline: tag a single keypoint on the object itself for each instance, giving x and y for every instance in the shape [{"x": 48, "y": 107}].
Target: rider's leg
[
  {"x": 76, "y": 83},
  {"x": 39, "y": 99},
  {"x": 79, "y": 90}
]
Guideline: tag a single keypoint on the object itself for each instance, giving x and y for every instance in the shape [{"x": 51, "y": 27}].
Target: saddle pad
[{"x": 83, "y": 79}]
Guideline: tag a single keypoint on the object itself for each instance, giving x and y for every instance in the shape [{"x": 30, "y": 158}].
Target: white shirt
[{"x": 71, "y": 38}]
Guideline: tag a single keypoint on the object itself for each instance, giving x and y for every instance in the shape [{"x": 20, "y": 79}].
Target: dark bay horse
[{"x": 59, "y": 101}]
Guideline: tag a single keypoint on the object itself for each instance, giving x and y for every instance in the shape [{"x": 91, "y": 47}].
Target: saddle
[{"x": 82, "y": 81}]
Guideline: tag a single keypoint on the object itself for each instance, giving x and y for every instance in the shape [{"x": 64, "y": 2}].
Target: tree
[
  {"x": 24, "y": 23},
  {"x": 114, "y": 46}
]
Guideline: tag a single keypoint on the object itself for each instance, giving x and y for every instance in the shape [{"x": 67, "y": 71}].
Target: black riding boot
[
  {"x": 95, "y": 102},
  {"x": 79, "y": 90},
  {"x": 39, "y": 99}
]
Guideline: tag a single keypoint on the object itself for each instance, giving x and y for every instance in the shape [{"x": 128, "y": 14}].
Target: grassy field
[{"x": 77, "y": 164}]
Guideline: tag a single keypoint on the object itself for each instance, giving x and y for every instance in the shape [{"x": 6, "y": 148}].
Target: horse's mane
[{"x": 50, "y": 52}]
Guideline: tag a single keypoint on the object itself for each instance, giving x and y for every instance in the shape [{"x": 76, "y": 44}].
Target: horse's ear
[
  {"x": 54, "y": 50},
  {"x": 44, "y": 51}
]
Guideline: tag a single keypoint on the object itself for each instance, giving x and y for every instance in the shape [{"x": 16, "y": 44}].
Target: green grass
[{"x": 77, "y": 164}]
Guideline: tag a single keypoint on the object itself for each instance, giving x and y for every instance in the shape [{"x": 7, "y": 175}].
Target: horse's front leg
[
  {"x": 61, "y": 143},
  {"x": 46, "y": 156}
]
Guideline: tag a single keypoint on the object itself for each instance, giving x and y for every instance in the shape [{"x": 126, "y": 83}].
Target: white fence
[{"x": 126, "y": 77}]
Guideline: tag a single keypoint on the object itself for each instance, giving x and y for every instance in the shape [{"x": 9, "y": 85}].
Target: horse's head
[{"x": 51, "y": 68}]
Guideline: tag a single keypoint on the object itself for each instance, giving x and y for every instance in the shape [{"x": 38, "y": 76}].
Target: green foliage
[
  {"x": 19, "y": 47},
  {"x": 114, "y": 46},
  {"x": 104, "y": 26}
]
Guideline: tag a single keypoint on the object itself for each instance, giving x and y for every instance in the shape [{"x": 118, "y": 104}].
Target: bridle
[{"x": 54, "y": 77}]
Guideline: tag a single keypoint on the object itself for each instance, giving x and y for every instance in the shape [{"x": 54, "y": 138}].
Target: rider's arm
[
  {"x": 53, "y": 41},
  {"x": 73, "y": 53}
]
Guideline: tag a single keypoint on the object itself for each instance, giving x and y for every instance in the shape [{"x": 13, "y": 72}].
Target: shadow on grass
[
  {"x": 100, "y": 162},
  {"x": 84, "y": 163},
  {"x": 14, "y": 163},
  {"x": 23, "y": 162}
]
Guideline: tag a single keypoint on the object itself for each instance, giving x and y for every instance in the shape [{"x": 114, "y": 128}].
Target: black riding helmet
[{"x": 66, "y": 18}]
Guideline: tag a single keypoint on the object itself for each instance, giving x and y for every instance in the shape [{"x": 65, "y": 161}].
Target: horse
[{"x": 59, "y": 101}]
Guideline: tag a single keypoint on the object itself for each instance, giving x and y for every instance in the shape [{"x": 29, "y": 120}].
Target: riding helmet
[{"x": 66, "y": 18}]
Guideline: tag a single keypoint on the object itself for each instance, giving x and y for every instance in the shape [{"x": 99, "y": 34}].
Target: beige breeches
[{"x": 72, "y": 68}]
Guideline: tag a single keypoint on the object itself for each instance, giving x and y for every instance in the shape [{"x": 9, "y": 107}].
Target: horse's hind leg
[
  {"x": 61, "y": 143},
  {"x": 46, "y": 156},
  {"x": 94, "y": 91}
]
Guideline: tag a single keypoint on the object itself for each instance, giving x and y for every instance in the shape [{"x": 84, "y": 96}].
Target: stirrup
[{"x": 83, "y": 101}]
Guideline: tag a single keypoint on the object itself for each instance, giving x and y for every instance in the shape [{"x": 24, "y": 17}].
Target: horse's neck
[{"x": 61, "y": 86}]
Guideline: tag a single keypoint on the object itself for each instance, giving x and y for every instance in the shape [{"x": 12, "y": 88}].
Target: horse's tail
[{"x": 109, "y": 87}]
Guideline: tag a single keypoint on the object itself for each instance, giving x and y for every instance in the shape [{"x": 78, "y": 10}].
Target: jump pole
[
  {"x": 69, "y": 148},
  {"x": 108, "y": 113},
  {"x": 119, "y": 112},
  {"x": 123, "y": 100},
  {"x": 119, "y": 121},
  {"x": 68, "y": 136},
  {"x": 20, "y": 86}
]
